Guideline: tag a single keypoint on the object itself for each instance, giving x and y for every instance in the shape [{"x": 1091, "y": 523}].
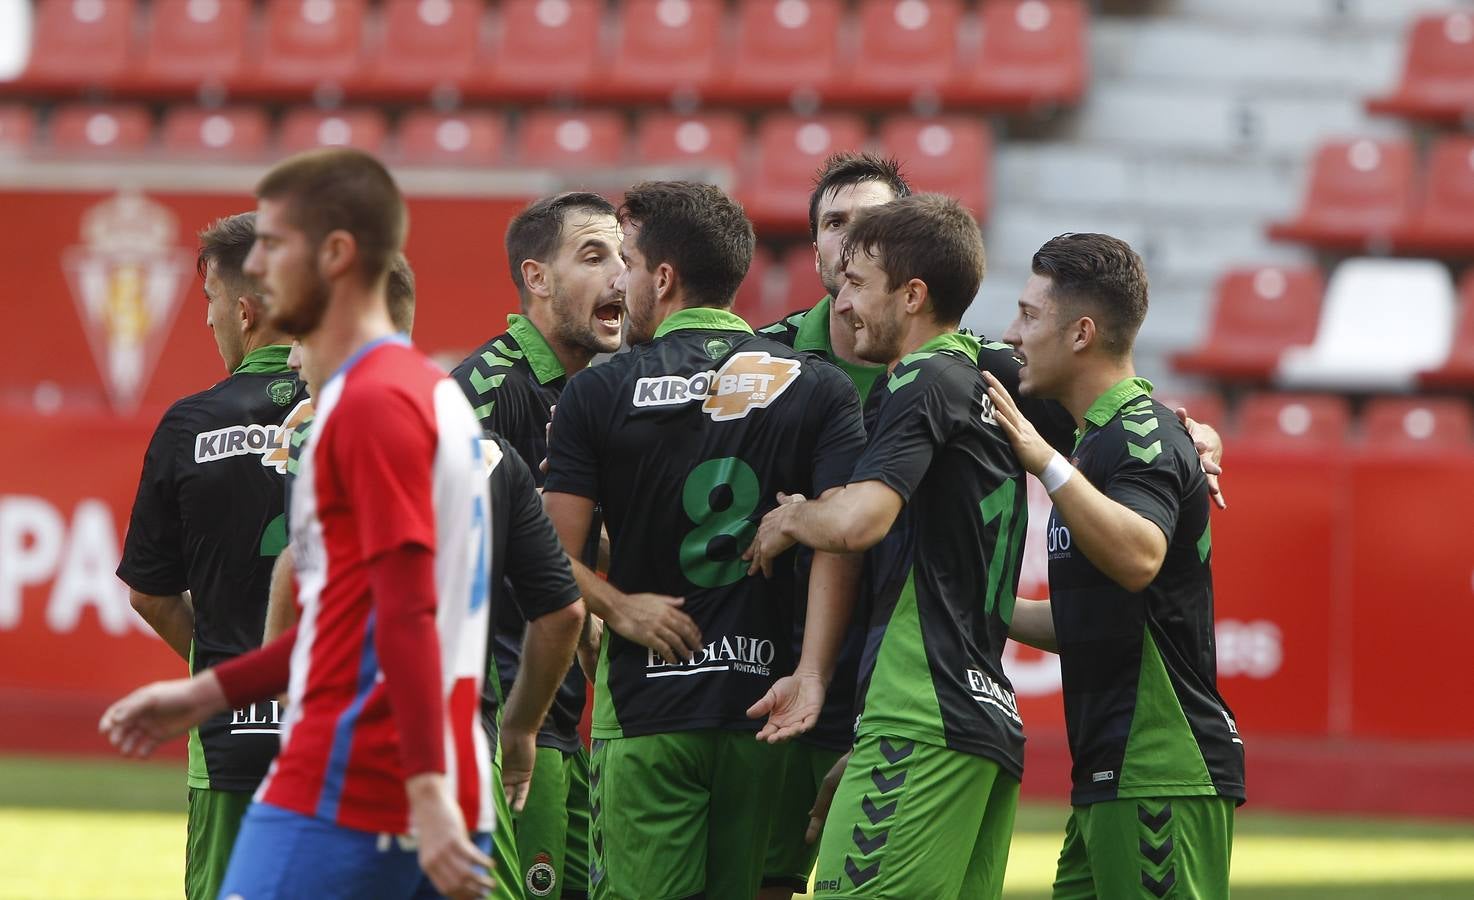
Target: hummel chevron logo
[
  {"x": 594, "y": 809},
  {"x": 1157, "y": 855},
  {"x": 870, "y": 845},
  {"x": 1141, "y": 429},
  {"x": 858, "y": 875},
  {"x": 876, "y": 814},
  {"x": 1145, "y": 454},
  {"x": 899, "y": 381},
  {"x": 893, "y": 754},
  {"x": 598, "y": 841},
  {"x": 886, "y": 785},
  {"x": 1154, "y": 822},
  {"x": 1159, "y": 888}
]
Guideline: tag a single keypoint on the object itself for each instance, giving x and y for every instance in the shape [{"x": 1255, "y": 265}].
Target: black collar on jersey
[
  {"x": 702, "y": 318},
  {"x": 540, "y": 355},
  {"x": 268, "y": 360}
]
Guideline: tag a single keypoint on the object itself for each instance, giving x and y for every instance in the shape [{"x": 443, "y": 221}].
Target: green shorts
[
  {"x": 681, "y": 814},
  {"x": 553, "y": 827},
  {"x": 214, "y": 821},
  {"x": 504, "y": 863},
  {"x": 1166, "y": 847},
  {"x": 914, "y": 820},
  {"x": 789, "y": 860}
]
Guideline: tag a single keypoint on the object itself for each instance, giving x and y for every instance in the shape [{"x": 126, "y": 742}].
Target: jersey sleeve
[
  {"x": 381, "y": 447},
  {"x": 916, "y": 416},
  {"x": 536, "y": 565},
  {"x": 1146, "y": 482},
  {"x": 785, "y": 330},
  {"x": 573, "y": 466},
  {"x": 153, "y": 552},
  {"x": 1049, "y": 417},
  {"x": 841, "y": 432}
]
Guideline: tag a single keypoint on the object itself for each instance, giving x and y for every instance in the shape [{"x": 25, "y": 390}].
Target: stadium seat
[
  {"x": 801, "y": 285},
  {"x": 1417, "y": 424},
  {"x": 85, "y": 129},
  {"x": 665, "y": 48},
  {"x": 1257, "y": 313},
  {"x": 79, "y": 43},
  {"x": 567, "y": 139},
  {"x": 469, "y": 138},
  {"x": 543, "y": 47},
  {"x": 789, "y": 149},
  {"x": 17, "y": 127},
  {"x": 752, "y": 297},
  {"x": 1457, "y": 371},
  {"x": 1032, "y": 53},
  {"x": 304, "y": 129},
  {"x": 705, "y": 139},
  {"x": 426, "y": 44},
  {"x": 907, "y": 49},
  {"x": 1383, "y": 321},
  {"x": 1438, "y": 73},
  {"x": 1309, "y": 422},
  {"x": 1202, "y": 406},
  {"x": 309, "y": 43},
  {"x": 950, "y": 155},
  {"x": 192, "y": 44},
  {"x": 193, "y": 132},
  {"x": 1443, "y": 223},
  {"x": 783, "y": 48},
  {"x": 1360, "y": 192}
]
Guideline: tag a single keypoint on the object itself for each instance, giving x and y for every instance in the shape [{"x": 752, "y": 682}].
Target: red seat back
[
  {"x": 752, "y": 296},
  {"x": 239, "y": 133},
  {"x": 311, "y": 42},
  {"x": 1202, "y": 406},
  {"x": 545, "y": 46},
  {"x": 562, "y": 140},
  {"x": 192, "y": 42},
  {"x": 1268, "y": 305},
  {"x": 789, "y": 150},
  {"x": 1032, "y": 52},
  {"x": 17, "y": 127},
  {"x": 665, "y": 47},
  {"x": 91, "y": 130},
  {"x": 79, "y": 43},
  {"x": 802, "y": 287},
  {"x": 305, "y": 129},
  {"x": 950, "y": 155},
  {"x": 1359, "y": 189},
  {"x": 783, "y": 46},
  {"x": 1440, "y": 56},
  {"x": 470, "y": 138},
  {"x": 1448, "y": 197},
  {"x": 1310, "y": 422},
  {"x": 1416, "y": 424},
  {"x": 904, "y": 46},
  {"x": 427, "y": 43},
  {"x": 709, "y": 138}
]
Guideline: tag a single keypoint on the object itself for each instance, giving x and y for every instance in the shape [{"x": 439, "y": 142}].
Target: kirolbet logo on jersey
[
  {"x": 272, "y": 442},
  {"x": 739, "y": 653},
  {"x": 985, "y": 690},
  {"x": 745, "y": 382}
]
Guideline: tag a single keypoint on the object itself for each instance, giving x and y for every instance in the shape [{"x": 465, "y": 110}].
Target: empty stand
[
  {"x": 304, "y": 129},
  {"x": 1383, "y": 321},
  {"x": 783, "y": 47},
  {"x": 1417, "y": 424},
  {"x": 308, "y": 43},
  {"x": 949, "y": 155},
  {"x": 665, "y": 48},
  {"x": 1257, "y": 313},
  {"x": 17, "y": 127},
  {"x": 1438, "y": 74},
  {"x": 905, "y": 49},
  {"x": 1032, "y": 53},
  {"x": 563, "y": 140},
  {"x": 789, "y": 149},
  {"x": 426, "y": 44},
  {"x": 1311, "y": 422},
  {"x": 83, "y": 129},
  {"x": 699, "y": 140},
  {"x": 543, "y": 47},
  {"x": 469, "y": 138},
  {"x": 79, "y": 43},
  {"x": 1444, "y": 221},
  {"x": 1360, "y": 193},
  {"x": 192, "y": 132},
  {"x": 1457, "y": 371},
  {"x": 191, "y": 44}
]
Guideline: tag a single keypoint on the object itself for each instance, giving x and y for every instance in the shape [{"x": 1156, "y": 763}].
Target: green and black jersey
[
  {"x": 513, "y": 381},
  {"x": 1139, "y": 669},
  {"x": 943, "y": 580},
  {"x": 685, "y": 442},
  {"x": 808, "y": 329},
  {"x": 208, "y": 519}
]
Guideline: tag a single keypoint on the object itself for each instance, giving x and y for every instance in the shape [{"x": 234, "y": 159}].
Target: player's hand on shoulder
[
  {"x": 792, "y": 706},
  {"x": 1209, "y": 444},
  {"x": 519, "y": 755},
  {"x": 827, "y": 787},
  {"x": 456, "y": 867},
  {"x": 1033, "y": 452},
  {"x": 656, "y": 621},
  {"x": 157, "y": 712}
]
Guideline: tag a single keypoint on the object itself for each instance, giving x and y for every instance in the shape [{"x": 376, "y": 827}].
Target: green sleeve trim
[
  {"x": 702, "y": 318},
  {"x": 268, "y": 360}
]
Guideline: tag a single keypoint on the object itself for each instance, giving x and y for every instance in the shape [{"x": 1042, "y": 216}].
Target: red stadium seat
[
  {"x": 706, "y": 139},
  {"x": 1033, "y": 53},
  {"x": 906, "y": 49},
  {"x": 1206, "y": 407},
  {"x": 544, "y": 47},
  {"x": 1444, "y": 221},
  {"x": 567, "y": 139},
  {"x": 783, "y": 47},
  {"x": 1438, "y": 74},
  {"x": 665, "y": 48},
  {"x": 101, "y": 130},
  {"x": 17, "y": 127},
  {"x": 752, "y": 297},
  {"x": 427, "y": 43},
  {"x": 238, "y": 133},
  {"x": 789, "y": 149},
  {"x": 1458, "y": 370},
  {"x": 1257, "y": 313},
  {"x": 471, "y": 138},
  {"x": 1417, "y": 424},
  {"x": 193, "y": 43},
  {"x": 949, "y": 155},
  {"x": 801, "y": 287},
  {"x": 79, "y": 43},
  {"x": 1295, "y": 422},
  {"x": 309, "y": 43},
  {"x": 305, "y": 129},
  {"x": 1360, "y": 193}
]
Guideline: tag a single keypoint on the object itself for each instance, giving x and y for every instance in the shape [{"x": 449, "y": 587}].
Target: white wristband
[{"x": 1056, "y": 473}]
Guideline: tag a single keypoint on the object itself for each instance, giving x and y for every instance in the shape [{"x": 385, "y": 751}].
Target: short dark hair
[
  {"x": 535, "y": 231},
  {"x": 925, "y": 236},
  {"x": 400, "y": 292},
  {"x": 342, "y": 189},
  {"x": 227, "y": 243},
  {"x": 849, "y": 168},
  {"x": 1099, "y": 276},
  {"x": 701, "y": 232}
]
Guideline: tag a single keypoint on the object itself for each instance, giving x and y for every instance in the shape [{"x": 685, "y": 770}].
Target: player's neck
[
  {"x": 571, "y": 357},
  {"x": 919, "y": 330},
  {"x": 1093, "y": 381},
  {"x": 352, "y": 321}
]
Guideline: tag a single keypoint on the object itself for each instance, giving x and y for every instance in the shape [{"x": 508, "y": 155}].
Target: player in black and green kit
[
  {"x": 926, "y": 804},
  {"x": 1158, "y": 766},
  {"x": 564, "y": 256},
  {"x": 685, "y": 441},
  {"x": 208, "y": 520}
]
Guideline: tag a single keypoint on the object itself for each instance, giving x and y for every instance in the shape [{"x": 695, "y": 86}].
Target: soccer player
[
  {"x": 208, "y": 520},
  {"x": 564, "y": 256},
  {"x": 381, "y": 750},
  {"x": 1158, "y": 766},
  {"x": 684, "y": 441},
  {"x": 926, "y": 803}
]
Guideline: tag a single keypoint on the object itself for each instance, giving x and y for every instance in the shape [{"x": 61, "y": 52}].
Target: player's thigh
[
  {"x": 742, "y": 802},
  {"x": 1072, "y": 878},
  {"x": 281, "y": 855},
  {"x": 788, "y": 859},
  {"x": 576, "y": 853},
  {"x": 542, "y": 826},
  {"x": 214, "y": 820},
  {"x": 904, "y": 822},
  {"x": 649, "y": 805},
  {"x": 984, "y": 876},
  {"x": 1157, "y": 848}
]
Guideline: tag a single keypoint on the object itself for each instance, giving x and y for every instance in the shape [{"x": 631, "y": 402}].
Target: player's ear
[
  {"x": 915, "y": 296},
  {"x": 665, "y": 281},
  {"x": 1083, "y": 334},
  {"x": 535, "y": 276},
  {"x": 337, "y": 253},
  {"x": 247, "y": 312}
]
